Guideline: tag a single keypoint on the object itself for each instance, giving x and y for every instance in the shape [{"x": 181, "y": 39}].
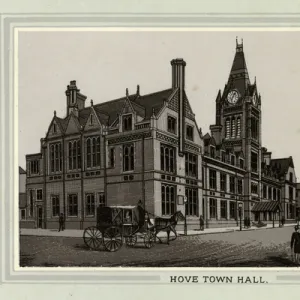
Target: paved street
[{"x": 260, "y": 248}]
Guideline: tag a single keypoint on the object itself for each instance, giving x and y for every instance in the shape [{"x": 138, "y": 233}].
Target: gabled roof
[
  {"x": 153, "y": 102},
  {"x": 281, "y": 165},
  {"x": 21, "y": 170}
]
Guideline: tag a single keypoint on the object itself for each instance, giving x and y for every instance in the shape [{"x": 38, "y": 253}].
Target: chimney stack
[{"x": 178, "y": 73}]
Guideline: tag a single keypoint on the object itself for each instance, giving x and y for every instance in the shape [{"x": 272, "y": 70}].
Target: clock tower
[{"x": 238, "y": 125}]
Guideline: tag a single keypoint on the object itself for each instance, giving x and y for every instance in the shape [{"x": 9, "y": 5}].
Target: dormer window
[
  {"x": 127, "y": 123},
  {"x": 212, "y": 152},
  {"x": 190, "y": 132},
  {"x": 171, "y": 124}
]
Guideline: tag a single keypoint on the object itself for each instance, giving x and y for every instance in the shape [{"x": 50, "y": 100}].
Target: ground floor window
[
  {"x": 232, "y": 210},
  {"x": 90, "y": 205},
  {"x": 192, "y": 201},
  {"x": 23, "y": 214},
  {"x": 101, "y": 199},
  {"x": 55, "y": 205},
  {"x": 213, "y": 208},
  {"x": 72, "y": 205},
  {"x": 223, "y": 209},
  {"x": 265, "y": 216},
  {"x": 168, "y": 199}
]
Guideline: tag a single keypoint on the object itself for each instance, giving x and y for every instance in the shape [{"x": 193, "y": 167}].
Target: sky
[{"x": 105, "y": 63}]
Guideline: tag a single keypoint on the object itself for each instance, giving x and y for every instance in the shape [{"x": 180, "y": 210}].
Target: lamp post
[
  {"x": 185, "y": 206},
  {"x": 240, "y": 213},
  {"x": 273, "y": 219}
]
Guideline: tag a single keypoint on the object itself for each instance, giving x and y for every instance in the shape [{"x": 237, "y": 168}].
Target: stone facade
[{"x": 150, "y": 148}]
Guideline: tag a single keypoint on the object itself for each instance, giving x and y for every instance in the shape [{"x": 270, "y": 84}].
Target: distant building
[
  {"x": 150, "y": 148},
  {"x": 22, "y": 194}
]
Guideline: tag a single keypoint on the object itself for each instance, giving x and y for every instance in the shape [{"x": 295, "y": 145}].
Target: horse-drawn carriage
[{"x": 119, "y": 224}]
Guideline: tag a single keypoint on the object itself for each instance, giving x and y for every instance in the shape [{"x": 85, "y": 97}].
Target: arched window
[
  {"x": 74, "y": 155},
  {"x": 167, "y": 199}
]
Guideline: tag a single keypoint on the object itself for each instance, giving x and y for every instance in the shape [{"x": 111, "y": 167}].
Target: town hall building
[{"x": 149, "y": 148}]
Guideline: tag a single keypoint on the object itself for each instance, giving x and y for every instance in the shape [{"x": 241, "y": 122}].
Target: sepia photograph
[{"x": 158, "y": 148}]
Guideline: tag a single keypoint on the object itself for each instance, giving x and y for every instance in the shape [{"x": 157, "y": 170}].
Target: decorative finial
[
  {"x": 138, "y": 90},
  {"x": 254, "y": 79},
  {"x": 153, "y": 112},
  {"x": 55, "y": 113},
  {"x": 127, "y": 93},
  {"x": 92, "y": 103},
  {"x": 236, "y": 39}
]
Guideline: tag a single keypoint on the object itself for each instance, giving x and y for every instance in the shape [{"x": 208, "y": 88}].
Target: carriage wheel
[
  {"x": 92, "y": 237},
  {"x": 149, "y": 239},
  {"x": 112, "y": 239},
  {"x": 131, "y": 240}
]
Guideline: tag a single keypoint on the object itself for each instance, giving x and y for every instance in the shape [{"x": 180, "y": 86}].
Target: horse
[{"x": 166, "y": 224}]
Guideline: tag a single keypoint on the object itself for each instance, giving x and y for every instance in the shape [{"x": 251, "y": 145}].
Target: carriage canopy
[{"x": 118, "y": 215}]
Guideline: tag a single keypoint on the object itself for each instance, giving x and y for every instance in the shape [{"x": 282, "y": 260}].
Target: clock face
[
  {"x": 254, "y": 100},
  {"x": 233, "y": 97}
]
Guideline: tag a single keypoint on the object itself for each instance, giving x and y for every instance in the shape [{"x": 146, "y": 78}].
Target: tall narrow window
[
  {"x": 190, "y": 132},
  {"x": 39, "y": 194},
  {"x": 274, "y": 194},
  {"x": 278, "y": 195},
  {"x": 232, "y": 210},
  {"x": 232, "y": 160},
  {"x": 54, "y": 128},
  {"x": 232, "y": 184},
  {"x": 55, "y": 205},
  {"x": 168, "y": 158},
  {"x": 238, "y": 127},
  {"x": 241, "y": 163},
  {"x": 55, "y": 157},
  {"x": 112, "y": 157},
  {"x": 93, "y": 152},
  {"x": 212, "y": 152},
  {"x": 90, "y": 205},
  {"x": 34, "y": 167},
  {"x": 291, "y": 193},
  {"x": 72, "y": 205},
  {"x": 223, "y": 182},
  {"x": 270, "y": 193},
  {"x": 233, "y": 127},
  {"x": 291, "y": 177},
  {"x": 227, "y": 128},
  {"x": 213, "y": 208},
  {"x": 265, "y": 191},
  {"x": 223, "y": 156},
  {"x": 192, "y": 201},
  {"x": 254, "y": 162},
  {"x": 240, "y": 186},
  {"x": 171, "y": 124},
  {"x": 127, "y": 123},
  {"x": 31, "y": 201},
  {"x": 128, "y": 157},
  {"x": 168, "y": 199},
  {"x": 191, "y": 165},
  {"x": 223, "y": 209},
  {"x": 212, "y": 179}
]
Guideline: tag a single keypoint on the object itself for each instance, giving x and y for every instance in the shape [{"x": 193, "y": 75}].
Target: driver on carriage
[{"x": 143, "y": 216}]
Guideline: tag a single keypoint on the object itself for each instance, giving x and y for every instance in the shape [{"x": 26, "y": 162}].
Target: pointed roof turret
[{"x": 239, "y": 77}]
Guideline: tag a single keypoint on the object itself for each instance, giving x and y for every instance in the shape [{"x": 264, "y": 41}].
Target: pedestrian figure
[
  {"x": 295, "y": 244},
  {"x": 61, "y": 221},
  {"x": 201, "y": 220},
  {"x": 282, "y": 221}
]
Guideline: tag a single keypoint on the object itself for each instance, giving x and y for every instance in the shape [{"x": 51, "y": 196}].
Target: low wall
[{"x": 27, "y": 224}]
